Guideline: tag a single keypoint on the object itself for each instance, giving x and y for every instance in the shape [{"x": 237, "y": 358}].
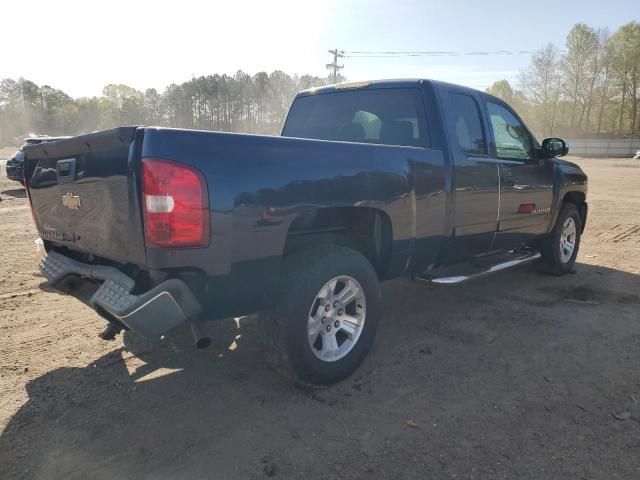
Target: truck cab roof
[{"x": 383, "y": 83}]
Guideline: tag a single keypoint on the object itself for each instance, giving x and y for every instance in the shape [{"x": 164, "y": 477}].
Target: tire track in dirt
[
  {"x": 24, "y": 293},
  {"x": 45, "y": 337},
  {"x": 621, "y": 233}
]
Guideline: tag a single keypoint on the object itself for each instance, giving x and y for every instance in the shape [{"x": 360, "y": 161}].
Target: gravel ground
[{"x": 517, "y": 375}]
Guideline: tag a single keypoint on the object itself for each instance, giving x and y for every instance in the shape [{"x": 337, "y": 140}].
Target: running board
[{"x": 517, "y": 259}]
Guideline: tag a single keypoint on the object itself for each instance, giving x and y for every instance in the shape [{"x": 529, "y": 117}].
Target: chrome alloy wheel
[
  {"x": 336, "y": 318},
  {"x": 567, "y": 239}
]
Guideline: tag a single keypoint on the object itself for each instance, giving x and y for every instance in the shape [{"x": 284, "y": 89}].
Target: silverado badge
[{"x": 71, "y": 201}]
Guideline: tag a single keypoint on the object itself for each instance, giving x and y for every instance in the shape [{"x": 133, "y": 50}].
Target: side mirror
[{"x": 554, "y": 147}]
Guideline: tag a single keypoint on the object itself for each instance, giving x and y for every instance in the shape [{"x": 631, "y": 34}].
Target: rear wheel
[
  {"x": 324, "y": 316},
  {"x": 561, "y": 246}
]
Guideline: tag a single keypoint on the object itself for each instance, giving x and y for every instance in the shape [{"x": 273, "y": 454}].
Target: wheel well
[
  {"x": 365, "y": 230},
  {"x": 578, "y": 199}
]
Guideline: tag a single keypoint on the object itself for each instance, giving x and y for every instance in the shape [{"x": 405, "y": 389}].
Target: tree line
[
  {"x": 590, "y": 89},
  {"x": 238, "y": 103}
]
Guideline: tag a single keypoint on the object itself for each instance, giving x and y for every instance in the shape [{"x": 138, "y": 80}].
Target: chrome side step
[{"x": 479, "y": 272}]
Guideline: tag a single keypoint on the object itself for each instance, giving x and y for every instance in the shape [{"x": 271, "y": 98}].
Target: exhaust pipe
[{"x": 201, "y": 340}]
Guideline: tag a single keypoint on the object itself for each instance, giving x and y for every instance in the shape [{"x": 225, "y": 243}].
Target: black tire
[
  {"x": 552, "y": 260},
  {"x": 284, "y": 324}
]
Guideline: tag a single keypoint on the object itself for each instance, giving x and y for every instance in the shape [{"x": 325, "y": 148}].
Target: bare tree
[
  {"x": 576, "y": 64},
  {"x": 626, "y": 66},
  {"x": 540, "y": 84},
  {"x": 604, "y": 80}
]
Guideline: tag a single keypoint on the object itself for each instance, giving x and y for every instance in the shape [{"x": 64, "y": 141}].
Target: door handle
[{"x": 66, "y": 170}]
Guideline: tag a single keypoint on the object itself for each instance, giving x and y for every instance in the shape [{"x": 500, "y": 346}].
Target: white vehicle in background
[{"x": 637, "y": 155}]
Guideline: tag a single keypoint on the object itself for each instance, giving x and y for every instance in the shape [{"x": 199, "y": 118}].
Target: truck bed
[{"x": 257, "y": 185}]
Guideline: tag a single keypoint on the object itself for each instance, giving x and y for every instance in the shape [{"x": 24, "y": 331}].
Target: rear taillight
[{"x": 175, "y": 203}]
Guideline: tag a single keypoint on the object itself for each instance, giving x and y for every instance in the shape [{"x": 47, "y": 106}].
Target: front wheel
[
  {"x": 324, "y": 316},
  {"x": 560, "y": 248}
]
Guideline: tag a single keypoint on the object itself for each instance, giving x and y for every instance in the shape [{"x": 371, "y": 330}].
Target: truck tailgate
[{"x": 84, "y": 194}]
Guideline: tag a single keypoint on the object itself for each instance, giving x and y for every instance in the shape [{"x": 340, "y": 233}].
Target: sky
[{"x": 81, "y": 46}]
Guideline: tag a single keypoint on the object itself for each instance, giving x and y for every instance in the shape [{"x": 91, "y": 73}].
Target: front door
[{"x": 526, "y": 183}]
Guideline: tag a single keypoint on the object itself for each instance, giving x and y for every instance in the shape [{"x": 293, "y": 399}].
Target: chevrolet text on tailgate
[{"x": 157, "y": 227}]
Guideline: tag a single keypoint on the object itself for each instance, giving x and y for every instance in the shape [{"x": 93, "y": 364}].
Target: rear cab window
[
  {"x": 467, "y": 124},
  {"x": 388, "y": 116}
]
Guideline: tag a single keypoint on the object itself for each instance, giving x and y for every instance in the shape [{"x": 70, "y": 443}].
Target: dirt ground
[{"x": 518, "y": 375}]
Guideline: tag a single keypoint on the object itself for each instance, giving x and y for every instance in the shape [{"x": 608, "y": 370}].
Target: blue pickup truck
[{"x": 156, "y": 227}]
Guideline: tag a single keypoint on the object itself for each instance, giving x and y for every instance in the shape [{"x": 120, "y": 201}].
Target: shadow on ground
[
  {"x": 519, "y": 375},
  {"x": 15, "y": 193}
]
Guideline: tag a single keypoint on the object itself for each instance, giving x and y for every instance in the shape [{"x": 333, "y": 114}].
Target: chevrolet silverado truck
[{"x": 157, "y": 227}]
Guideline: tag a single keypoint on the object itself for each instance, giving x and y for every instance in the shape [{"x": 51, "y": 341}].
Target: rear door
[
  {"x": 475, "y": 177},
  {"x": 84, "y": 194},
  {"x": 526, "y": 183}
]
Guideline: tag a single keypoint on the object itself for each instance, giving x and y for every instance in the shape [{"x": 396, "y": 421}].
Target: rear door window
[
  {"x": 467, "y": 124},
  {"x": 385, "y": 116}
]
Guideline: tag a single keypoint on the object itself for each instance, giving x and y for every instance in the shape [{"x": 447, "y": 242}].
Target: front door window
[{"x": 513, "y": 141}]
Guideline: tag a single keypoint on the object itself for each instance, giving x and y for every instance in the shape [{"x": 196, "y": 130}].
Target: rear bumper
[{"x": 149, "y": 314}]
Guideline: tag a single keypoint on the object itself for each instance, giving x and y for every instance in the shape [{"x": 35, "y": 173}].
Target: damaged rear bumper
[{"x": 149, "y": 314}]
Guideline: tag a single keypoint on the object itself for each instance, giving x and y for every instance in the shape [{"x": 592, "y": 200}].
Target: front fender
[{"x": 570, "y": 184}]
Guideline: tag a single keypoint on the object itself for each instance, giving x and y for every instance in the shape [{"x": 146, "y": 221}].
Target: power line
[
  {"x": 334, "y": 66},
  {"x": 429, "y": 53}
]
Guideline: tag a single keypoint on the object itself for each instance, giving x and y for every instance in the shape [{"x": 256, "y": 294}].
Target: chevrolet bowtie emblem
[{"x": 71, "y": 201}]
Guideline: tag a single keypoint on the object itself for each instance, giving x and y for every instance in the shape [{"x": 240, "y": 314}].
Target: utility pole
[{"x": 334, "y": 67}]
